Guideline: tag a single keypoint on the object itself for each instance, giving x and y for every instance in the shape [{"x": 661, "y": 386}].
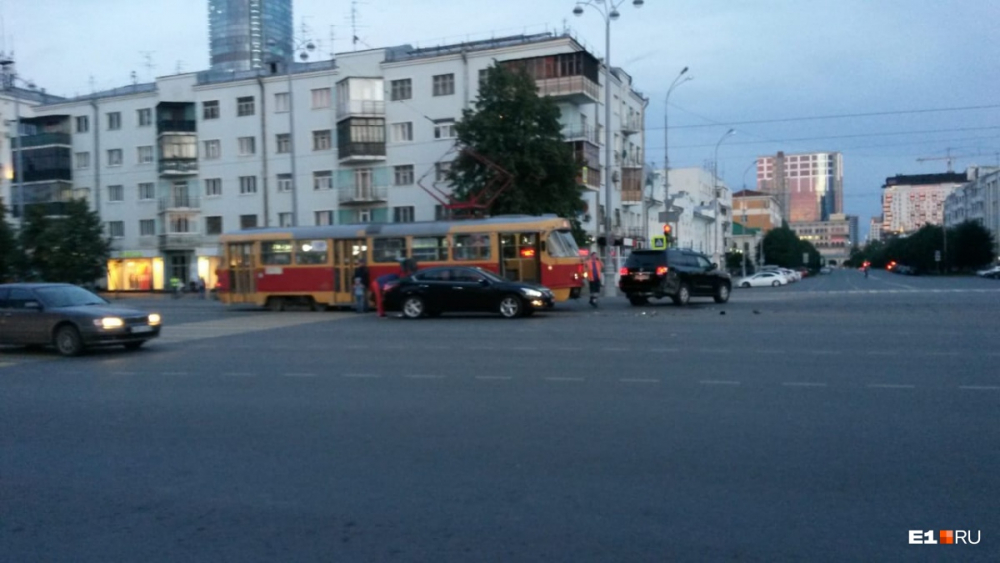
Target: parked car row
[
  {"x": 772, "y": 276},
  {"x": 993, "y": 273}
]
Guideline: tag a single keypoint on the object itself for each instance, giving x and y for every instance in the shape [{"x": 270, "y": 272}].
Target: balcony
[
  {"x": 178, "y": 167},
  {"x": 589, "y": 178},
  {"x": 178, "y": 202},
  {"x": 582, "y": 133},
  {"x": 41, "y": 140},
  {"x": 362, "y": 195},
  {"x": 631, "y": 197},
  {"x": 180, "y": 241},
  {"x": 578, "y": 90},
  {"x": 631, "y": 125},
  {"x": 361, "y": 152},
  {"x": 360, "y": 108},
  {"x": 176, "y": 126}
]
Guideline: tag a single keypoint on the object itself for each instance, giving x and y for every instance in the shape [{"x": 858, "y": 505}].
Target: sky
[{"x": 885, "y": 82}]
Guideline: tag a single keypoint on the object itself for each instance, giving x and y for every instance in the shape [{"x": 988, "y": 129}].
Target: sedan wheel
[
  {"x": 775, "y": 283},
  {"x": 68, "y": 341},
  {"x": 413, "y": 308},
  {"x": 510, "y": 306},
  {"x": 745, "y": 284}
]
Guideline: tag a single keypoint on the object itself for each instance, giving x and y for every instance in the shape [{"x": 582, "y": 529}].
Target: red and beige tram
[{"x": 314, "y": 266}]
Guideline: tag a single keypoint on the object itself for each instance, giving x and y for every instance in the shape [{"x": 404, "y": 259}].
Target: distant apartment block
[
  {"x": 808, "y": 187},
  {"x": 756, "y": 210},
  {"x": 978, "y": 200},
  {"x": 833, "y": 238},
  {"x": 910, "y": 202}
]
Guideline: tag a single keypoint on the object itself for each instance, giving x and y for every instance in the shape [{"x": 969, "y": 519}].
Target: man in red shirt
[{"x": 595, "y": 272}]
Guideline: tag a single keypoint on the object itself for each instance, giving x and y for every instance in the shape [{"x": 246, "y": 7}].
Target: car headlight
[
  {"x": 531, "y": 292},
  {"x": 109, "y": 322},
  {"x": 154, "y": 319}
]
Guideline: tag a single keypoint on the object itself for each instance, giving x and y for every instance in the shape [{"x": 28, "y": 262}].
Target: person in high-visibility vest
[{"x": 596, "y": 276}]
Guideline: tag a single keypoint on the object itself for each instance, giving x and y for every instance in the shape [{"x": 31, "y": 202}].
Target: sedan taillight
[
  {"x": 661, "y": 270},
  {"x": 623, "y": 271}
]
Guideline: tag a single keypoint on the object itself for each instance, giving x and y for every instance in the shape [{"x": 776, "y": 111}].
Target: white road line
[
  {"x": 563, "y": 378},
  {"x": 494, "y": 377},
  {"x": 715, "y": 350},
  {"x": 889, "y": 386},
  {"x": 717, "y": 382},
  {"x": 942, "y": 353},
  {"x": 803, "y": 384},
  {"x": 417, "y": 376},
  {"x": 360, "y": 375},
  {"x": 299, "y": 374},
  {"x": 980, "y": 387},
  {"x": 638, "y": 380}
]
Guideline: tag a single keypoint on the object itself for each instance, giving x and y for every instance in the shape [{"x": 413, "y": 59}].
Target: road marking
[
  {"x": 890, "y": 386},
  {"x": 617, "y": 349},
  {"x": 638, "y": 380},
  {"x": 360, "y": 375},
  {"x": 7, "y": 364},
  {"x": 942, "y": 353},
  {"x": 563, "y": 378},
  {"x": 494, "y": 377},
  {"x": 803, "y": 384},
  {"x": 718, "y": 382},
  {"x": 417, "y": 376},
  {"x": 358, "y": 347},
  {"x": 980, "y": 387},
  {"x": 299, "y": 374}
]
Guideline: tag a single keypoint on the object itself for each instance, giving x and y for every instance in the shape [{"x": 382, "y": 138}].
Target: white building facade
[
  {"x": 172, "y": 164},
  {"x": 978, "y": 200},
  {"x": 699, "y": 227}
]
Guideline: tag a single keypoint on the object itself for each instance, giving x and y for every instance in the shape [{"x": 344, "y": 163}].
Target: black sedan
[
  {"x": 460, "y": 289},
  {"x": 69, "y": 318}
]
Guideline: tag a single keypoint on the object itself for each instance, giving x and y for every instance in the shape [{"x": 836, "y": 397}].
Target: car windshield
[{"x": 68, "y": 296}]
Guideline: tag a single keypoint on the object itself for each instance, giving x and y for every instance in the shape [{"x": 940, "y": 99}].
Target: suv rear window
[{"x": 646, "y": 259}]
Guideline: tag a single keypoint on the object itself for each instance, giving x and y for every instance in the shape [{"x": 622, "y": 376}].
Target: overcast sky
[{"x": 752, "y": 61}]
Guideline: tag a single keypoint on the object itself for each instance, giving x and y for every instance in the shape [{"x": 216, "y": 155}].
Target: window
[
  {"x": 145, "y": 117},
  {"x": 145, "y": 155},
  {"x": 82, "y": 160},
  {"x": 403, "y": 215},
  {"x": 441, "y": 170},
  {"x": 401, "y": 89},
  {"x": 244, "y": 106},
  {"x": 284, "y": 182},
  {"x": 320, "y": 98},
  {"x": 180, "y": 225},
  {"x": 147, "y": 191},
  {"x": 147, "y": 227},
  {"x": 444, "y": 84},
  {"x": 277, "y": 252},
  {"x": 213, "y": 187},
  {"x": 285, "y": 219},
  {"x": 248, "y": 221},
  {"x": 213, "y": 149},
  {"x": 472, "y": 247},
  {"x": 114, "y": 120},
  {"x": 213, "y": 225},
  {"x": 114, "y": 157},
  {"x": 430, "y": 249},
  {"x": 248, "y": 185},
  {"x": 282, "y": 102},
  {"x": 310, "y": 252},
  {"x": 483, "y": 74},
  {"x": 248, "y": 145},
  {"x": 210, "y": 110},
  {"x": 403, "y": 174},
  {"x": 323, "y": 217},
  {"x": 389, "y": 249},
  {"x": 321, "y": 140},
  {"x": 284, "y": 143},
  {"x": 82, "y": 123},
  {"x": 402, "y": 132},
  {"x": 323, "y": 180},
  {"x": 116, "y": 229},
  {"x": 444, "y": 129},
  {"x": 116, "y": 193}
]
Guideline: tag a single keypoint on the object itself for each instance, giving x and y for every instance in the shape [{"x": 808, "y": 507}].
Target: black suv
[{"x": 678, "y": 274}]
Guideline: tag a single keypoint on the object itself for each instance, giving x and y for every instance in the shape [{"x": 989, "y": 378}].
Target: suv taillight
[
  {"x": 661, "y": 270},
  {"x": 623, "y": 271}
]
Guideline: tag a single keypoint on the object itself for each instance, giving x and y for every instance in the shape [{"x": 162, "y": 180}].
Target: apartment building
[
  {"x": 808, "y": 187},
  {"x": 756, "y": 210},
  {"x": 172, "y": 164},
  {"x": 833, "y": 238},
  {"x": 912, "y": 201},
  {"x": 978, "y": 200}
]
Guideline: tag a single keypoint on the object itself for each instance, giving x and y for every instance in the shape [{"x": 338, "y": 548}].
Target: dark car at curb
[
  {"x": 433, "y": 291},
  {"x": 69, "y": 318},
  {"x": 677, "y": 274}
]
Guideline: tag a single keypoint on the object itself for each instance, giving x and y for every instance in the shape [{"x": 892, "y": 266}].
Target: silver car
[{"x": 69, "y": 318}]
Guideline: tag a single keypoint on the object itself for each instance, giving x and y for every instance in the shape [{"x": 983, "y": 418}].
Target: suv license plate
[
  {"x": 640, "y": 277},
  {"x": 142, "y": 328}
]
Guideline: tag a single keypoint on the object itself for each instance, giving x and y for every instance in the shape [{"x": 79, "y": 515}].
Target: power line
[
  {"x": 821, "y": 117},
  {"x": 854, "y": 136}
]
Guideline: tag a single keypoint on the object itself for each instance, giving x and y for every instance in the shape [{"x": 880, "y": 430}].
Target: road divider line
[
  {"x": 882, "y": 353},
  {"x": 175, "y": 373},
  {"x": 718, "y": 382},
  {"x": 665, "y": 350},
  {"x": 125, "y": 373}
]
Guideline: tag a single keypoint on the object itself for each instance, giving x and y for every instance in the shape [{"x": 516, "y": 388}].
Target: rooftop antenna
[
  {"x": 135, "y": 77},
  {"x": 147, "y": 61},
  {"x": 333, "y": 47},
  {"x": 93, "y": 84},
  {"x": 355, "y": 19},
  {"x": 179, "y": 69}
]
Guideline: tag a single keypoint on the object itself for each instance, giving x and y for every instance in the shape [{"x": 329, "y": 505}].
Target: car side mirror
[
  {"x": 33, "y": 305},
  {"x": 715, "y": 266},
  {"x": 484, "y": 282}
]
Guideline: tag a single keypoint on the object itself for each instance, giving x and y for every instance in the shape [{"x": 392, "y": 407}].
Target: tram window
[
  {"x": 472, "y": 247},
  {"x": 277, "y": 253},
  {"x": 389, "y": 249},
  {"x": 555, "y": 246},
  {"x": 310, "y": 252},
  {"x": 430, "y": 249}
]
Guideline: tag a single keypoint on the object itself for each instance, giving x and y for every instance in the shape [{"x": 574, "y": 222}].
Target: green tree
[
  {"x": 970, "y": 245},
  {"x": 10, "y": 261},
  {"x": 782, "y": 247},
  {"x": 516, "y": 129},
  {"x": 71, "y": 248}
]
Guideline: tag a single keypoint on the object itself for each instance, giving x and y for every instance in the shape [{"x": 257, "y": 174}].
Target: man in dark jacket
[{"x": 361, "y": 273}]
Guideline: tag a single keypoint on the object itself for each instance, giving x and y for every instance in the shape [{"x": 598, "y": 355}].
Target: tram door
[
  {"x": 243, "y": 284},
  {"x": 346, "y": 257},
  {"x": 520, "y": 259}
]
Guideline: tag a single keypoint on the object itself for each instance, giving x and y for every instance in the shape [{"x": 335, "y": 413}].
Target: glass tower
[{"x": 248, "y": 34}]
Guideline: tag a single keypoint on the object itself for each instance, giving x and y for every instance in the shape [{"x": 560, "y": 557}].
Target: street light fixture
[
  {"x": 715, "y": 199},
  {"x": 609, "y": 11}
]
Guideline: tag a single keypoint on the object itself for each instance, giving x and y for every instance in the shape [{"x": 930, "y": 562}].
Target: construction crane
[{"x": 948, "y": 158}]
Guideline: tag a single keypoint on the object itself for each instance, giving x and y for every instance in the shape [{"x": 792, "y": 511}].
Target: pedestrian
[
  {"x": 359, "y": 296},
  {"x": 378, "y": 288},
  {"x": 175, "y": 285},
  {"x": 409, "y": 266},
  {"x": 595, "y": 274},
  {"x": 201, "y": 288},
  {"x": 361, "y": 277}
]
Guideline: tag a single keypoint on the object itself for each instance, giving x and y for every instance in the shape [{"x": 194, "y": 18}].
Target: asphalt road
[{"x": 817, "y": 422}]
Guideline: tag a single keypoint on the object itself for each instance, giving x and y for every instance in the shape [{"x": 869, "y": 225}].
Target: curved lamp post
[
  {"x": 715, "y": 199},
  {"x": 609, "y": 11},
  {"x": 682, "y": 77}
]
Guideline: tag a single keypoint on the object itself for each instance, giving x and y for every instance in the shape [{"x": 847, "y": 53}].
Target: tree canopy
[
  {"x": 9, "y": 250},
  {"x": 516, "y": 129},
  {"x": 782, "y": 247},
  {"x": 70, "y": 248},
  {"x": 969, "y": 246}
]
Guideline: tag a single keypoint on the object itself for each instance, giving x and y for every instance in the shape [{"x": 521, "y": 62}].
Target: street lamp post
[
  {"x": 303, "y": 48},
  {"x": 609, "y": 11},
  {"x": 715, "y": 197},
  {"x": 666, "y": 130}
]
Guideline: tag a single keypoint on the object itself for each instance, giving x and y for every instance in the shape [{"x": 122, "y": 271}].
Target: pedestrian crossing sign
[{"x": 658, "y": 243}]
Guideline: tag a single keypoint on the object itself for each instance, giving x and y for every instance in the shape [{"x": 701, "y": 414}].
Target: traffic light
[{"x": 667, "y": 233}]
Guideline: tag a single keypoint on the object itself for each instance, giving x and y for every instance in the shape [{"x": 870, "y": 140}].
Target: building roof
[
  {"x": 750, "y": 193},
  {"x": 926, "y": 179},
  {"x": 407, "y": 52}
]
